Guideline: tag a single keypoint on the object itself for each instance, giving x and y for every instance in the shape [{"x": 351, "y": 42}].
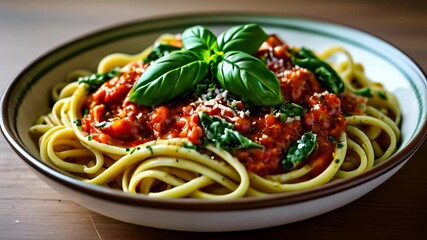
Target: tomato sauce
[{"x": 113, "y": 119}]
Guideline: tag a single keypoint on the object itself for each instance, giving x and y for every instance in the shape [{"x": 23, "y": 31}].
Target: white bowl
[{"x": 26, "y": 98}]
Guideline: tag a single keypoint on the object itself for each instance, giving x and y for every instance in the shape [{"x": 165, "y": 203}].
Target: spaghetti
[{"x": 211, "y": 142}]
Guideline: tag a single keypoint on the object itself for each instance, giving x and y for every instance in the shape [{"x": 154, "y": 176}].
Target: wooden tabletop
[{"x": 29, "y": 209}]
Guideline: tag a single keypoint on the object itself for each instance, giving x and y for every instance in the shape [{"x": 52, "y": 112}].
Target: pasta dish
[{"x": 240, "y": 114}]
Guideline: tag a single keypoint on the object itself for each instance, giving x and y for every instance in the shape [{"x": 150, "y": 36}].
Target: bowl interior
[{"x": 27, "y": 97}]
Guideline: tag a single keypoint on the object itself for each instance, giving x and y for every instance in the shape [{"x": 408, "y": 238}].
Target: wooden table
[{"x": 29, "y": 209}]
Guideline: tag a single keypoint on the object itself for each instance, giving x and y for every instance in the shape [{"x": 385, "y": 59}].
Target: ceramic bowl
[{"x": 26, "y": 98}]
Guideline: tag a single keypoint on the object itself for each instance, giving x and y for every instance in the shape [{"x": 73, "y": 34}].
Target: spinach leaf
[
  {"x": 288, "y": 110},
  {"x": 247, "y": 38},
  {"x": 221, "y": 133},
  {"x": 198, "y": 38},
  {"x": 169, "y": 77},
  {"x": 300, "y": 150},
  {"x": 160, "y": 50},
  {"x": 326, "y": 75},
  {"x": 247, "y": 77},
  {"x": 96, "y": 80}
]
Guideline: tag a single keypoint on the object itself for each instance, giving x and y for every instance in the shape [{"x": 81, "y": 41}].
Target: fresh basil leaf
[
  {"x": 247, "y": 38},
  {"x": 300, "y": 150},
  {"x": 326, "y": 75},
  {"x": 288, "y": 110},
  {"x": 200, "y": 39},
  {"x": 169, "y": 77},
  {"x": 220, "y": 132},
  {"x": 96, "y": 80},
  {"x": 248, "y": 78},
  {"x": 160, "y": 50}
]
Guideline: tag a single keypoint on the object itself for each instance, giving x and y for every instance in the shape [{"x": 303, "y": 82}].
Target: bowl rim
[{"x": 273, "y": 200}]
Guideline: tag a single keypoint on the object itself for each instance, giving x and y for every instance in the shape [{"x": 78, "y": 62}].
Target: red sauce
[{"x": 112, "y": 119}]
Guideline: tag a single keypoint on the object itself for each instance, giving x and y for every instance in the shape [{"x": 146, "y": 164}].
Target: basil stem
[
  {"x": 247, "y": 38},
  {"x": 326, "y": 75},
  {"x": 288, "y": 110},
  {"x": 300, "y": 150},
  {"x": 160, "y": 50},
  {"x": 247, "y": 77},
  {"x": 198, "y": 38},
  {"x": 169, "y": 77},
  {"x": 221, "y": 133},
  {"x": 94, "y": 81}
]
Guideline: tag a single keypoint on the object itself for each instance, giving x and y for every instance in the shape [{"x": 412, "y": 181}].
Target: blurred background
[{"x": 33, "y": 27}]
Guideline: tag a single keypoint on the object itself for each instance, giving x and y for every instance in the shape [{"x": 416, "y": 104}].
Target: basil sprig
[
  {"x": 228, "y": 58},
  {"x": 300, "y": 150},
  {"x": 221, "y": 133},
  {"x": 326, "y": 75}
]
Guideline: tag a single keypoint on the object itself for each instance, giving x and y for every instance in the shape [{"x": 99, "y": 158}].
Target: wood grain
[{"x": 29, "y": 209}]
